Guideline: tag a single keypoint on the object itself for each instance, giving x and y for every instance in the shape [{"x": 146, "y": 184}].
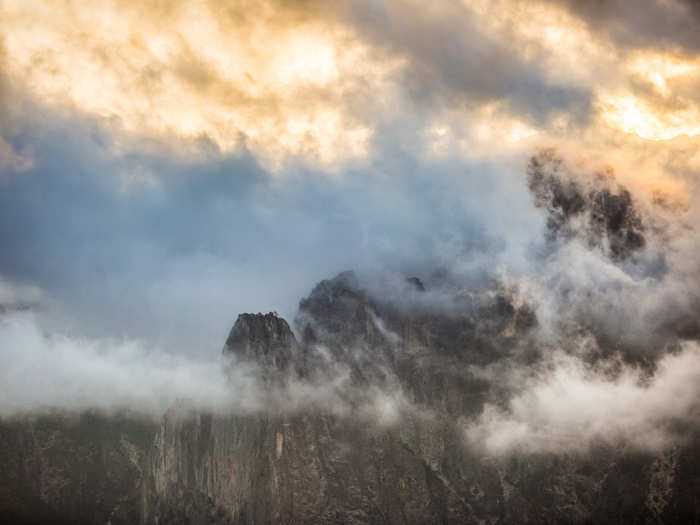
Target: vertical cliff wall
[{"x": 316, "y": 466}]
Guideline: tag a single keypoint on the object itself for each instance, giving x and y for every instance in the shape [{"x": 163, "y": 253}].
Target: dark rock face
[
  {"x": 302, "y": 469},
  {"x": 338, "y": 308},
  {"x": 388, "y": 378},
  {"x": 84, "y": 468},
  {"x": 416, "y": 283},
  {"x": 316, "y": 467},
  {"x": 321, "y": 466},
  {"x": 264, "y": 339},
  {"x": 602, "y": 212}
]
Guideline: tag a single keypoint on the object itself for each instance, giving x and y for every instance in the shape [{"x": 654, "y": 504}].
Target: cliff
[
  {"x": 362, "y": 420},
  {"x": 387, "y": 448},
  {"x": 317, "y": 466}
]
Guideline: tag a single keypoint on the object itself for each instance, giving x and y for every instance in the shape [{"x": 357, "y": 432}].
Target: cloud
[
  {"x": 173, "y": 259},
  {"x": 165, "y": 168},
  {"x": 274, "y": 80},
  {"x": 18, "y": 295},
  {"x": 207, "y": 77},
  {"x": 58, "y": 371},
  {"x": 11, "y": 160},
  {"x": 456, "y": 62},
  {"x": 482, "y": 79},
  {"x": 617, "y": 337},
  {"x": 164, "y": 278},
  {"x": 568, "y": 406},
  {"x": 14, "y": 158},
  {"x": 648, "y": 23}
]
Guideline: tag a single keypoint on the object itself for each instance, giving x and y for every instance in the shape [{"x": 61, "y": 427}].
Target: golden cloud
[
  {"x": 660, "y": 100},
  {"x": 281, "y": 83},
  {"x": 652, "y": 94},
  {"x": 302, "y": 81}
]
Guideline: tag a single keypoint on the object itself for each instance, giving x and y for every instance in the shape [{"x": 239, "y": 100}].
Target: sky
[{"x": 166, "y": 167}]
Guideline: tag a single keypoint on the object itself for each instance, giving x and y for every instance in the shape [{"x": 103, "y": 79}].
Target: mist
[
  {"x": 568, "y": 406},
  {"x": 55, "y": 373},
  {"x": 134, "y": 233},
  {"x": 614, "y": 365},
  {"x": 173, "y": 260}
]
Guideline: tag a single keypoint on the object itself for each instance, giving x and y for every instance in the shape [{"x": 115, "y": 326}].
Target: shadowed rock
[
  {"x": 265, "y": 339},
  {"x": 602, "y": 212},
  {"x": 416, "y": 283},
  {"x": 313, "y": 466},
  {"x": 338, "y": 310}
]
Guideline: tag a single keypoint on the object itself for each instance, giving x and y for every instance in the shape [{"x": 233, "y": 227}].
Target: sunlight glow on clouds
[
  {"x": 544, "y": 33},
  {"x": 670, "y": 110},
  {"x": 633, "y": 115},
  {"x": 485, "y": 132},
  {"x": 279, "y": 88},
  {"x": 304, "y": 82}
]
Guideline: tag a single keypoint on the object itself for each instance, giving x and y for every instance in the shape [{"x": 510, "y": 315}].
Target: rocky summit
[
  {"x": 367, "y": 414},
  {"x": 377, "y": 435}
]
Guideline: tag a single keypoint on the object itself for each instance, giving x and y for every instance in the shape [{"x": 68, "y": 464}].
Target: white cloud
[
  {"x": 42, "y": 370},
  {"x": 569, "y": 406}
]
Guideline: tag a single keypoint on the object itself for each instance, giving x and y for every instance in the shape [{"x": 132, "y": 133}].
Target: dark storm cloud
[
  {"x": 643, "y": 23},
  {"x": 452, "y": 62}
]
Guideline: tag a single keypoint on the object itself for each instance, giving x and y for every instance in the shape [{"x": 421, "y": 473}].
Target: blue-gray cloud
[
  {"x": 173, "y": 253},
  {"x": 644, "y": 23},
  {"x": 453, "y": 63}
]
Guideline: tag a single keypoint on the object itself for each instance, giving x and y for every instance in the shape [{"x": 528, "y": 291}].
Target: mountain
[
  {"x": 330, "y": 466},
  {"x": 365, "y": 416},
  {"x": 364, "y": 454}
]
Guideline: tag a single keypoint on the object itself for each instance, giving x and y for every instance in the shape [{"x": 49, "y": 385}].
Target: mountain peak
[
  {"x": 337, "y": 309},
  {"x": 264, "y": 338}
]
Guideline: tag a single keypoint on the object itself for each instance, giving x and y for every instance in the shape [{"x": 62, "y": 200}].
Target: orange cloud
[
  {"x": 307, "y": 82},
  {"x": 281, "y": 86}
]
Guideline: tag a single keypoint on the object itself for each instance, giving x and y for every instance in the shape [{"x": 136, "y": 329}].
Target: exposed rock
[
  {"x": 416, "y": 283},
  {"x": 63, "y": 468},
  {"x": 265, "y": 339},
  {"x": 338, "y": 310},
  {"x": 351, "y": 466},
  {"x": 601, "y": 211},
  {"x": 322, "y": 468}
]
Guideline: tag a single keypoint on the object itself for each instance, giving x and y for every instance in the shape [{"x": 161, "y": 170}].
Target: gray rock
[{"x": 319, "y": 466}]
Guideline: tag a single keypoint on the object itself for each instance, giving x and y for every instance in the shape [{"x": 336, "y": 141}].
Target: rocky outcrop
[
  {"x": 67, "y": 468},
  {"x": 322, "y": 467},
  {"x": 263, "y": 339},
  {"x": 599, "y": 210},
  {"x": 392, "y": 452}
]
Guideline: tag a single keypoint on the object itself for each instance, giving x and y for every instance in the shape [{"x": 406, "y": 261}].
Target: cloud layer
[
  {"x": 163, "y": 168},
  {"x": 568, "y": 406}
]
